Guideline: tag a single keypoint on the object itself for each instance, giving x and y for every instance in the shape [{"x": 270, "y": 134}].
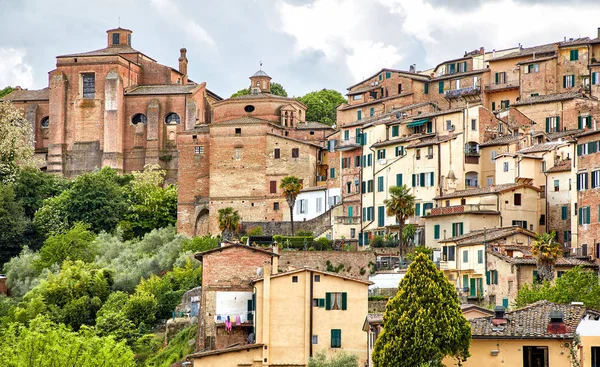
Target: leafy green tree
[
  {"x": 111, "y": 318},
  {"x": 547, "y": 251},
  {"x": 228, "y": 221},
  {"x": 423, "y": 323},
  {"x": 408, "y": 232},
  {"x": 95, "y": 198},
  {"x": 321, "y": 105},
  {"x": 45, "y": 344},
  {"x": 342, "y": 359},
  {"x": 141, "y": 309},
  {"x": 290, "y": 187},
  {"x": 276, "y": 89},
  {"x": 200, "y": 244},
  {"x": 6, "y": 91},
  {"x": 12, "y": 224},
  {"x": 575, "y": 285},
  {"x": 16, "y": 142},
  {"x": 75, "y": 244},
  {"x": 419, "y": 250},
  {"x": 180, "y": 346},
  {"x": 72, "y": 297},
  {"x": 400, "y": 205},
  {"x": 33, "y": 186},
  {"x": 23, "y": 274}
]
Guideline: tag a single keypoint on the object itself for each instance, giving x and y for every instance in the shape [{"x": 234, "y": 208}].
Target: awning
[{"x": 418, "y": 123}]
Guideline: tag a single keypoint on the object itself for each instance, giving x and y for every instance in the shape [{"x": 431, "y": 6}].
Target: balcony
[
  {"x": 462, "y": 92},
  {"x": 347, "y": 220},
  {"x": 460, "y": 209},
  {"x": 503, "y": 85}
]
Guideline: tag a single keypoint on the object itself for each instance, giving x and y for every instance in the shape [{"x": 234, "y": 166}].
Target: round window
[
  {"x": 45, "y": 122},
  {"x": 249, "y": 108}
]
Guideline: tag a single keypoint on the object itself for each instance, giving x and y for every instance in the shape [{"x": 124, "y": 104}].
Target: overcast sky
[{"x": 305, "y": 45}]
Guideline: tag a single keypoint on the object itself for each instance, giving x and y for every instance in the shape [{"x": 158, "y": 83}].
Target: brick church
[{"x": 118, "y": 107}]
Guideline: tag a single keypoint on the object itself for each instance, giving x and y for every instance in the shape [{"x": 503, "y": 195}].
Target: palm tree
[
  {"x": 228, "y": 221},
  {"x": 291, "y": 186},
  {"x": 547, "y": 251},
  {"x": 401, "y": 205}
]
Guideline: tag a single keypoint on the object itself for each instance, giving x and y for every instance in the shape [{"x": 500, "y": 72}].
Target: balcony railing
[
  {"x": 467, "y": 91},
  {"x": 459, "y": 209},
  {"x": 347, "y": 220},
  {"x": 502, "y": 85}
]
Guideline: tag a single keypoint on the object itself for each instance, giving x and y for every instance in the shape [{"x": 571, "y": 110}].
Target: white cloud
[
  {"x": 13, "y": 69},
  {"x": 170, "y": 11},
  {"x": 333, "y": 27}
]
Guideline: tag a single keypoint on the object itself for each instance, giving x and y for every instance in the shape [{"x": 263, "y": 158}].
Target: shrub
[
  {"x": 255, "y": 231},
  {"x": 302, "y": 233},
  {"x": 322, "y": 244},
  {"x": 295, "y": 242}
]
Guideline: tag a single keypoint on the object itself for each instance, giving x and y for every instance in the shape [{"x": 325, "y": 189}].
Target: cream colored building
[{"x": 298, "y": 314}]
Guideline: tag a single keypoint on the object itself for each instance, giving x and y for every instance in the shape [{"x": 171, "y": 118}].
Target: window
[
  {"x": 556, "y": 185},
  {"x": 371, "y": 112},
  {"x": 395, "y": 131},
  {"x": 595, "y": 356},
  {"x": 357, "y": 97},
  {"x": 465, "y": 256},
  {"x": 505, "y": 103},
  {"x": 346, "y": 135},
  {"x": 336, "y": 338},
  {"x": 564, "y": 212},
  {"x": 295, "y": 279},
  {"x": 400, "y": 151},
  {"x": 273, "y": 187},
  {"x": 595, "y": 179},
  {"x": 45, "y": 122},
  {"x": 441, "y": 87},
  {"x": 237, "y": 154},
  {"x": 436, "y": 232},
  {"x": 115, "y": 38},
  {"x": 517, "y": 199},
  {"x": 542, "y": 219},
  {"x": 399, "y": 179},
  {"x": 505, "y": 166},
  {"x": 315, "y": 339},
  {"x": 238, "y": 131},
  {"x": 582, "y": 181},
  {"x": 520, "y": 223},
  {"x": 277, "y": 153},
  {"x": 451, "y": 253},
  {"x": 596, "y": 78},
  {"x": 199, "y": 150},
  {"x": 381, "y": 154},
  {"x": 480, "y": 256},
  {"x": 457, "y": 229},
  {"x": 359, "y": 115},
  {"x": 336, "y": 301},
  {"x": 139, "y": 118},
  {"x": 493, "y": 106},
  {"x": 317, "y": 278},
  {"x": 381, "y": 216},
  {"x": 584, "y": 121},
  {"x": 370, "y": 186},
  {"x": 532, "y": 68},
  {"x": 543, "y": 166},
  {"x": 352, "y": 232},
  {"x": 491, "y": 276},
  {"x": 425, "y": 88},
  {"x": 295, "y": 152},
  {"x": 430, "y": 152},
  {"x": 89, "y": 85},
  {"x": 418, "y": 153},
  {"x": 500, "y": 78},
  {"x": 275, "y": 206},
  {"x": 319, "y": 204},
  {"x": 574, "y": 55},
  {"x": 399, "y": 88},
  {"x": 535, "y": 356},
  {"x": 448, "y": 125},
  {"x": 172, "y": 119},
  {"x": 249, "y": 108},
  {"x": 568, "y": 81},
  {"x": 474, "y": 124},
  {"x": 584, "y": 215},
  {"x": 369, "y": 159},
  {"x": 302, "y": 206},
  {"x": 380, "y": 187}
]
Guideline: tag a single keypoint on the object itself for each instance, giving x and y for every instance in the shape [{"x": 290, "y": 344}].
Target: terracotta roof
[
  {"x": 458, "y": 75},
  {"x": 559, "y": 134},
  {"x": 312, "y": 125},
  {"x": 544, "y": 147},
  {"x": 548, "y": 98},
  {"x": 433, "y": 141},
  {"x": 107, "y": 51},
  {"x": 244, "y": 120},
  {"x": 262, "y": 96},
  {"x": 225, "y": 350},
  {"x": 503, "y": 140},
  {"x": 582, "y": 133},
  {"x": 314, "y": 188},
  {"x": 306, "y": 268},
  {"x": 401, "y": 140},
  {"x": 508, "y": 154},
  {"x": 468, "y": 307},
  {"x": 530, "y": 322},
  {"x": 595, "y": 40},
  {"x": 561, "y": 261},
  {"x": 436, "y": 113},
  {"x": 199, "y": 255},
  {"x": 161, "y": 89},
  {"x": 297, "y": 140},
  {"x": 487, "y": 235},
  {"x": 403, "y": 72},
  {"x": 538, "y": 59},
  {"x": 484, "y": 190},
  {"x": 542, "y": 49},
  {"x": 575, "y": 42},
  {"x": 379, "y": 100},
  {"x": 28, "y": 95},
  {"x": 362, "y": 90}
]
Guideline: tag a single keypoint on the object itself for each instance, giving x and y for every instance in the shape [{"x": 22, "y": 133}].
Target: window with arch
[
  {"x": 471, "y": 179},
  {"x": 172, "y": 119},
  {"x": 45, "y": 122},
  {"x": 258, "y": 84},
  {"x": 139, "y": 118}
]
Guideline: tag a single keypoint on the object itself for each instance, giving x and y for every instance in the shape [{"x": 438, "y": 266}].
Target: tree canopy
[
  {"x": 276, "y": 89},
  {"x": 12, "y": 224},
  {"x": 400, "y": 205},
  {"x": 6, "y": 91},
  {"x": 290, "y": 187},
  {"x": 228, "y": 221},
  {"x": 423, "y": 323},
  {"x": 547, "y": 251},
  {"x": 16, "y": 142},
  {"x": 321, "y": 105}
]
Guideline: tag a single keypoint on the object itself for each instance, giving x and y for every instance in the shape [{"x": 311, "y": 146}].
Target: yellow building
[
  {"x": 538, "y": 335},
  {"x": 296, "y": 315}
]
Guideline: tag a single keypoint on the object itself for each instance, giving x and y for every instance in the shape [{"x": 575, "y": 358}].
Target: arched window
[
  {"x": 139, "y": 118},
  {"x": 472, "y": 149},
  {"x": 45, "y": 122},
  {"x": 258, "y": 84},
  {"x": 172, "y": 119},
  {"x": 471, "y": 179}
]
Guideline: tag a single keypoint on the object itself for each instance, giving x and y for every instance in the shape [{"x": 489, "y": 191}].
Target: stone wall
[
  {"x": 316, "y": 225},
  {"x": 354, "y": 263}
]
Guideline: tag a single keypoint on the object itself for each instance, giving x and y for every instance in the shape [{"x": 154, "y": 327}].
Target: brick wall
[{"x": 353, "y": 261}]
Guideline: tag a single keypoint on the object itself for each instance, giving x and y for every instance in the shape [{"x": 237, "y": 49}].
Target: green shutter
[
  {"x": 480, "y": 256},
  {"x": 460, "y": 228},
  {"x": 372, "y": 112},
  {"x": 321, "y": 302},
  {"x": 495, "y": 276},
  {"x": 473, "y": 288},
  {"x": 505, "y": 303},
  {"x": 422, "y": 179},
  {"x": 464, "y": 66},
  {"x": 388, "y": 75},
  {"x": 579, "y": 150},
  {"x": 336, "y": 338},
  {"x": 426, "y": 88},
  {"x": 496, "y": 77},
  {"x": 557, "y": 124},
  {"x": 441, "y": 87},
  {"x": 547, "y": 124},
  {"x": 454, "y": 229},
  {"x": 579, "y": 123},
  {"x": 328, "y": 301},
  {"x": 465, "y": 256},
  {"x": 436, "y": 230},
  {"x": 563, "y": 212},
  {"x": 381, "y": 216},
  {"x": 587, "y": 216},
  {"x": 395, "y": 131},
  {"x": 564, "y": 81},
  {"x": 399, "y": 179},
  {"x": 359, "y": 115},
  {"x": 414, "y": 180},
  {"x": 487, "y": 277},
  {"x": 535, "y": 276},
  {"x": 480, "y": 287},
  {"x": 493, "y": 106},
  {"x": 465, "y": 281},
  {"x": 344, "y": 301},
  {"x": 417, "y": 209}
]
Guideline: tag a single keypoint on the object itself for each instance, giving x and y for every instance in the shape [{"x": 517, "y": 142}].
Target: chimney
[
  {"x": 481, "y": 51},
  {"x": 183, "y": 63},
  {"x": 598, "y": 32},
  {"x": 557, "y": 323},
  {"x": 499, "y": 316},
  {"x": 412, "y": 68},
  {"x": 275, "y": 259}
]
